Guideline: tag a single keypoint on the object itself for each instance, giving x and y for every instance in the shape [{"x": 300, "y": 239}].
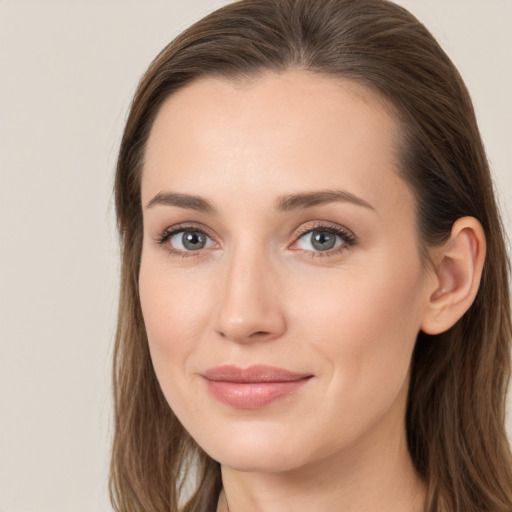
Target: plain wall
[{"x": 68, "y": 71}]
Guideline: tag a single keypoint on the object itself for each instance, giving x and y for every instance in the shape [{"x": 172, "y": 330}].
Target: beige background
[{"x": 68, "y": 70}]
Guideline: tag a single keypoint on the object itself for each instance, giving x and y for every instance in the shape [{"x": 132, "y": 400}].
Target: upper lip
[{"x": 257, "y": 373}]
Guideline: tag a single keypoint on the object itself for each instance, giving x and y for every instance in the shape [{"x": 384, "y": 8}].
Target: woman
[{"x": 314, "y": 307}]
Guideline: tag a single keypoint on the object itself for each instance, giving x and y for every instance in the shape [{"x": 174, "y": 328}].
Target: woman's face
[{"x": 281, "y": 282}]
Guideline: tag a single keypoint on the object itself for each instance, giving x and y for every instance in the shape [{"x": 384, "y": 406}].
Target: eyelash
[{"x": 348, "y": 239}]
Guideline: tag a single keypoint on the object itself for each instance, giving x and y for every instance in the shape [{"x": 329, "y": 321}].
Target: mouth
[{"x": 253, "y": 387}]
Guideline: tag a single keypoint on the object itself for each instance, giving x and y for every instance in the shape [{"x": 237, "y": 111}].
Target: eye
[
  {"x": 182, "y": 240},
  {"x": 189, "y": 240},
  {"x": 324, "y": 239}
]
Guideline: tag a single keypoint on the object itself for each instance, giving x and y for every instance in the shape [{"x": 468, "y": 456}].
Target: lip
[{"x": 253, "y": 387}]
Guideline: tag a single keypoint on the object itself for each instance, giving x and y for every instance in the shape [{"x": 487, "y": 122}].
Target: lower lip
[{"x": 252, "y": 395}]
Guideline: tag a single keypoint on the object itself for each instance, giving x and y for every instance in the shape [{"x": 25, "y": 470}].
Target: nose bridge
[{"x": 249, "y": 306}]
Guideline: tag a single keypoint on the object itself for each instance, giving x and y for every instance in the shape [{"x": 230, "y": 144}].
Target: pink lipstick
[{"x": 253, "y": 387}]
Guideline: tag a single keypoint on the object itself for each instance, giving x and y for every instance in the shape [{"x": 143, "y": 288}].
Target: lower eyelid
[{"x": 340, "y": 241}]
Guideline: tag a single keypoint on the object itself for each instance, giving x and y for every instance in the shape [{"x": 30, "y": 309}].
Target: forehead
[{"x": 290, "y": 130}]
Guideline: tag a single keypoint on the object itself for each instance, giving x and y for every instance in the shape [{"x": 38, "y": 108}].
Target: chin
[
  {"x": 256, "y": 450},
  {"x": 254, "y": 461}
]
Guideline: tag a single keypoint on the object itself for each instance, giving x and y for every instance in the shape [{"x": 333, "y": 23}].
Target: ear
[{"x": 458, "y": 268}]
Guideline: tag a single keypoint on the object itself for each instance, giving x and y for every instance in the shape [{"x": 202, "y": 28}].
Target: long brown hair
[{"x": 456, "y": 407}]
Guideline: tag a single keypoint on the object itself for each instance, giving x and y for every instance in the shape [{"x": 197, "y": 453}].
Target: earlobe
[{"x": 458, "y": 269}]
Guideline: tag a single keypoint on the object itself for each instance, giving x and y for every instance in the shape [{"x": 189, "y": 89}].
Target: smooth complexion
[{"x": 274, "y": 164}]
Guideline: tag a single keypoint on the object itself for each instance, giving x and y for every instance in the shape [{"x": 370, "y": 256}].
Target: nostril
[
  {"x": 259, "y": 334},
  {"x": 240, "y": 337}
]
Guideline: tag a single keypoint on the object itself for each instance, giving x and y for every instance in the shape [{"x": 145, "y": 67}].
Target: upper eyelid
[
  {"x": 325, "y": 225},
  {"x": 347, "y": 235},
  {"x": 177, "y": 228}
]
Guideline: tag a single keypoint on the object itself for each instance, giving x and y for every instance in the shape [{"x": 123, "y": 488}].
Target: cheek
[
  {"x": 175, "y": 314},
  {"x": 365, "y": 324},
  {"x": 362, "y": 329}
]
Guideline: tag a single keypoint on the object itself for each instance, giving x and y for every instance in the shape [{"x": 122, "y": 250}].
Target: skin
[{"x": 260, "y": 293}]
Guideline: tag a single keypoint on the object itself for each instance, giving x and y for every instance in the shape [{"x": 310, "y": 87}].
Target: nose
[{"x": 250, "y": 307}]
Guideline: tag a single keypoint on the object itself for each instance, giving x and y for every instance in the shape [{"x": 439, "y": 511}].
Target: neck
[{"x": 375, "y": 474}]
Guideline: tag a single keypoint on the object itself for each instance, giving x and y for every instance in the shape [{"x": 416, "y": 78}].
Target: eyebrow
[
  {"x": 309, "y": 199},
  {"x": 187, "y": 201},
  {"x": 284, "y": 203}
]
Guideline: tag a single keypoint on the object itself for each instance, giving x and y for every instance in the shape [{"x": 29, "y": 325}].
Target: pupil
[
  {"x": 323, "y": 240},
  {"x": 193, "y": 241}
]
